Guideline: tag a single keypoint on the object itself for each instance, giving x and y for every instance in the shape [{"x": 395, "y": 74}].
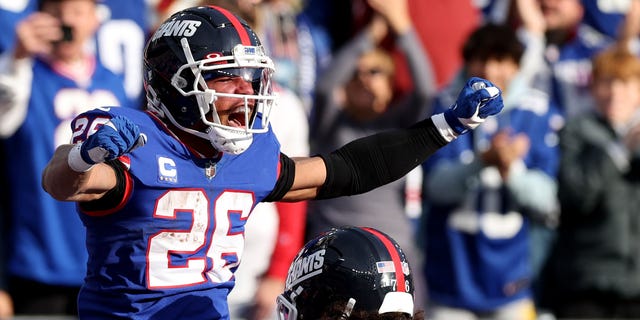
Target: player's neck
[{"x": 199, "y": 146}]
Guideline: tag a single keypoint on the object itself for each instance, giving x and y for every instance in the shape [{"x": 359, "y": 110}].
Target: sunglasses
[{"x": 370, "y": 72}]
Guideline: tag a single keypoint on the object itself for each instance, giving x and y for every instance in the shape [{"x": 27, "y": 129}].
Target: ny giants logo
[
  {"x": 305, "y": 268},
  {"x": 177, "y": 28}
]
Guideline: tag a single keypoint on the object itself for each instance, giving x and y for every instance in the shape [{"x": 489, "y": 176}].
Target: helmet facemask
[
  {"x": 286, "y": 309},
  {"x": 190, "y": 80}
]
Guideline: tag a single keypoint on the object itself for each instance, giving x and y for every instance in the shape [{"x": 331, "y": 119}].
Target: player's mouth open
[{"x": 237, "y": 119}]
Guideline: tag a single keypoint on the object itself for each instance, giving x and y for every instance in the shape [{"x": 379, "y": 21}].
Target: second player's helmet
[
  {"x": 346, "y": 271},
  {"x": 198, "y": 44}
]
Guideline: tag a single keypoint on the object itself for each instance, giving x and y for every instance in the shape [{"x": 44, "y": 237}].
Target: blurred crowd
[{"x": 535, "y": 214}]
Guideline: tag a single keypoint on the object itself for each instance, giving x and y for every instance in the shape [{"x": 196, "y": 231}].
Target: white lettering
[
  {"x": 306, "y": 267},
  {"x": 177, "y": 28}
]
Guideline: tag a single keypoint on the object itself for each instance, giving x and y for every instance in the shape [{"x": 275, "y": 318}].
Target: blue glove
[
  {"x": 113, "y": 139},
  {"x": 478, "y": 99}
]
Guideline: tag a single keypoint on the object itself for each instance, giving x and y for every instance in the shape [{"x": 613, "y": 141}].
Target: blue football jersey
[
  {"x": 170, "y": 248},
  {"x": 46, "y": 236}
]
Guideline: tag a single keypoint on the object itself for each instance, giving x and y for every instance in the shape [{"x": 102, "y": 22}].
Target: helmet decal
[
  {"x": 399, "y": 266},
  {"x": 305, "y": 268},
  {"x": 242, "y": 33},
  {"x": 177, "y": 28}
]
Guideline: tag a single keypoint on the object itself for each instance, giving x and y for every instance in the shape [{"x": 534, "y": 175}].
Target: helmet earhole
[{"x": 179, "y": 82}]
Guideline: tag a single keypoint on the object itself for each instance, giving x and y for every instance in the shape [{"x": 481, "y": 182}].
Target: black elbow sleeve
[{"x": 285, "y": 179}]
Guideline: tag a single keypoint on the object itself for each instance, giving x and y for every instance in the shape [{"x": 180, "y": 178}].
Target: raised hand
[
  {"x": 394, "y": 12},
  {"x": 115, "y": 138},
  {"x": 477, "y": 100},
  {"x": 36, "y": 34}
]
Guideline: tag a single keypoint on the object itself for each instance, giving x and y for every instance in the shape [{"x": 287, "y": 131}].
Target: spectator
[
  {"x": 570, "y": 44},
  {"x": 119, "y": 40},
  {"x": 354, "y": 98},
  {"x": 10, "y": 14},
  {"x": 482, "y": 190},
  {"x": 48, "y": 78},
  {"x": 593, "y": 272}
]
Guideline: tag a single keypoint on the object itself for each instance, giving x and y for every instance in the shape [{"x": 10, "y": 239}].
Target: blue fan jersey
[
  {"x": 477, "y": 248},
  {"x": 571, "y": 66},
  {"x": 170, "y": 248},
  {"x": 46, "y": 237},
  {"x": 120, "y": 43},
  {"x": 571, "y": 62},
  {"x": 605, "y": 16}
]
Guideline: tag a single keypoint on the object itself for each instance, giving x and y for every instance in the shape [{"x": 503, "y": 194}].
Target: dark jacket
[{"x": 598, "y": 248}]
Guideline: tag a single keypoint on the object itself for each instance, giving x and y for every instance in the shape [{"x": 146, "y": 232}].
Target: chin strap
[{"x": 228, "y": 141}]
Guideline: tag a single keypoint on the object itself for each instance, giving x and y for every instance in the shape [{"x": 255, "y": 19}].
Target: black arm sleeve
[
  {"x": 113, "y": 197},
  {"x": 285, "y": 179},
  {"x": 373, "y": 161}
]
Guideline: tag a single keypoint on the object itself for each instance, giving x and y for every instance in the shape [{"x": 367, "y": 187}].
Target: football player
[
  {"x": 349, "y": 273},
  {"x": 165, "y": 221}
]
